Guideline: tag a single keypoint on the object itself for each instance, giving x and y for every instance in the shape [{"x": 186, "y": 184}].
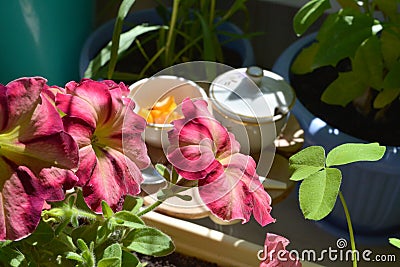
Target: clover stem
[{"x": 349, "y": 224}]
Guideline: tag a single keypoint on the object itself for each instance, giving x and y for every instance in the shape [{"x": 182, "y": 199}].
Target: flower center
[{"x": 7, "y": 140}]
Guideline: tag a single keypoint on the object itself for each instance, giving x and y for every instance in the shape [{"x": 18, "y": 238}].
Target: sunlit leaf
[
  {"x": 309, "y": 156},
  {"x": 125, "y": 41},
  {"x": 308, "y": 14},
  {"x": 318, "y": 193},
  {"x": 115, "y": 43},
  {"x": 128, "y": 219},
  {"x": 340, "y": 36},
  {"x": 395, "y": 242},
  {"x": 349, "y": 153}
]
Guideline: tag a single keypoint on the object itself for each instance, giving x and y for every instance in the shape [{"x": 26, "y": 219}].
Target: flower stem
[
  {"x": 349, "y": 224},
  {"x": 150, "y": 208}
]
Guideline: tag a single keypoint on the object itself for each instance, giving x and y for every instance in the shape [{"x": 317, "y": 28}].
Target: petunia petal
[
  {"x": 45, "y": 121},
  {"x": 22, "y": 97},
  {"x": 59, "y": 150},
  {"x": 87, "y": 164},
  {"x": 227, "y": 198},
  {"x": 276, "y": 254},
  {"x": 194, "y": 161},
  {"x": 112, "y": 179},
  {"x": 125, "y": 135},
  {"x": 79, "y": 130},
  {"x": 76, "y": 107},
  {"x": 20, "y": 205},
  {"x": 96, "y": 94}
]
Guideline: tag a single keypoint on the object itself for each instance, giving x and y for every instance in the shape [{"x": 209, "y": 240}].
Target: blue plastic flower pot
[
  {"x": 43, "y": 38},
  {"x": 371, "y": 189},
  {"x": 101, "y": 36}
]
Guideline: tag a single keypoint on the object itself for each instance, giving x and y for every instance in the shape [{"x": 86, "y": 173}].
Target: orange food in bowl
[{"x": 162, "y": 112}]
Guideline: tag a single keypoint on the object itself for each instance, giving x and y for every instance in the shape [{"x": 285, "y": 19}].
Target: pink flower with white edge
[
  {"x": 36, "y": 156},
  {"x": 202, "y": 149},
  {"x": 275, "y": 253},
  {"x": 101, "y": 119}
]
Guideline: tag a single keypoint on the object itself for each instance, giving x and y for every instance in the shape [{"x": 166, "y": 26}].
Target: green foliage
[
  {"x": 320, "y": 180},
  {"x": 395, "y": 242},
  {"x": 189, "y": 32},
  {"x": 354, "y": 33},
  {"x": 106, "y": 240}
]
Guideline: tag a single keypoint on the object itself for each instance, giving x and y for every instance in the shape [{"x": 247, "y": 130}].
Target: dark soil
[
  {"x": 174, "y": 260},
  {"x": 309, "y": 88}
]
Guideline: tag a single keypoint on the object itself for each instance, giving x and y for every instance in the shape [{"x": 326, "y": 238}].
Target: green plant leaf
[
  {"x": 86, "y": 232},
  {"x": 304, "y": 61},
  {"x": 344, "y": 89},
  {"x": 115, "y": 42},
  {"x": 109, "y": 262},
  {"x": 390, "y": 43},
  {"x": 208, "y": 44},
  {"x": 81, "y": 244},
  {"x": 184, "y": 197},
  {"x": 395, "y": 242},
  {"x": 368, "y": 62},
  {"x": 301, "y": 172},
  {"x": 163, "y": 171},
  {"x": 349, "y": 153},
  {"x": 74, "y": 256},
  {"x": 130, "y": 260},
  {"x": 11, "y": 257},
  {"x": 318, "y": 193},
  {"x": 133, "y": 204},
  {"x": 340, "y": 35},
  {"x": 309, "y": 156},
  {"x": 392, "y": 79},
  {"x": 113, "y": 251},
  {"x": 107, "y": 211},
  {"x": 128, "y": 219},
  {"x": 42, "y": 235},
  {"x": 112, "y": 256},
  {"x": 308, "y": 14},
  {"x": 149, "y": 241},
  {"x": 385, "y": 97},
  {"x": 125, "y": 41},
  {"x": 306, "y": 162}
]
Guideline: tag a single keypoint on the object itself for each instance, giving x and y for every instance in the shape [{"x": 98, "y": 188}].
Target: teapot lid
[{"x": 252, "y": 95}]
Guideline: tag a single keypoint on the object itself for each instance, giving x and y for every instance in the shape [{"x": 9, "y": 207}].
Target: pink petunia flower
[
  {"x": 101, "y": 119},
  {"x": 36, "y": 156},
  {"x": 276, "y": 255},
  {"x": 202, "y": 149}
]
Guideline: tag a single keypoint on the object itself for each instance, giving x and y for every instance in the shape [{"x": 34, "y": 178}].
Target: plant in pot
[
  {"x": 71, "y": 160},
  {"x": 141, "y": 43},
  {"x": 346, "y": 80}
]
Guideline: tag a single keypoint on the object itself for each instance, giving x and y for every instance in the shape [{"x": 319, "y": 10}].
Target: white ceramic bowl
[
  {"x": 254, "y": 108},
  {"x": 149, "y": 91}
]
